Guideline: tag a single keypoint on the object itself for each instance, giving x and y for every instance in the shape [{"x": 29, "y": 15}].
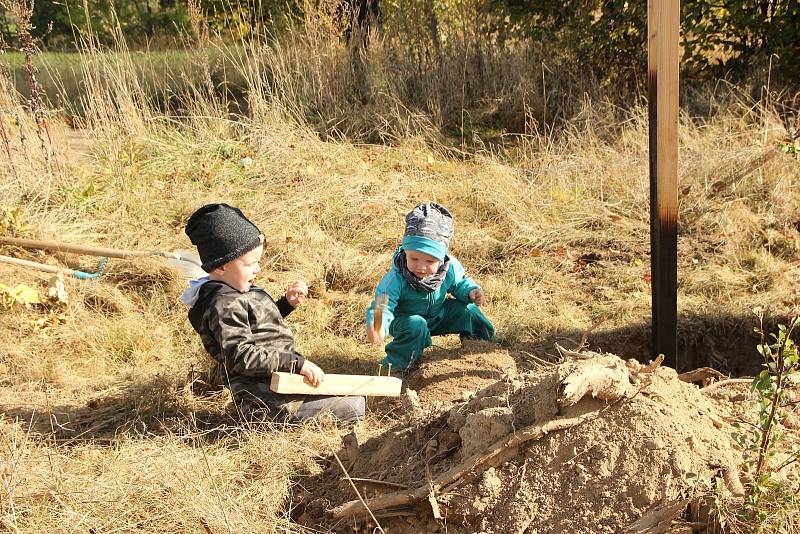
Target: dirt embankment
[{"x": 590, "y": 445}]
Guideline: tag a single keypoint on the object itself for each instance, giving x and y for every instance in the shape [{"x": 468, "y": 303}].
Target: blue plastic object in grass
[{"x": 81, "y": 275}]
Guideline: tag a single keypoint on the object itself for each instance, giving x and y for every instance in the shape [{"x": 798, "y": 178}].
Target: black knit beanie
[{"x": 221, "y": 234}]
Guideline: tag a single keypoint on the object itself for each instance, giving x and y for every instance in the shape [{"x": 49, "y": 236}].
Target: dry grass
[{"x": 102, "y": 428}]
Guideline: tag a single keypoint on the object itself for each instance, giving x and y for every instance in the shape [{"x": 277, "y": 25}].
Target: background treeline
[
  {"x": 377, "y": 70},
  {"x": 607, "y": 36}
]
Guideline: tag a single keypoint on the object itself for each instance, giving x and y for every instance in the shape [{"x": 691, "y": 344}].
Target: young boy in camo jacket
[
  {"x": 414, "y": 297},
  {"x": 242, "y": 327}
]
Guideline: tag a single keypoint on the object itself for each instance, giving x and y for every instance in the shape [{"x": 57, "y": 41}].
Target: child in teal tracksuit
[{"x": 414, "y": 296}]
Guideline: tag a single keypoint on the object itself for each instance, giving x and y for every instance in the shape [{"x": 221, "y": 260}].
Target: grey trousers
[
  {"x": 252, "y": 394},
  {"x": 348, "y": 409}
]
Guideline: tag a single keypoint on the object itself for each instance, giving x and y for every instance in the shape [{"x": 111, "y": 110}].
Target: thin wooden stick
[
  {"x": 377, "y": 483},
  {"x": 361, "y": 501}
]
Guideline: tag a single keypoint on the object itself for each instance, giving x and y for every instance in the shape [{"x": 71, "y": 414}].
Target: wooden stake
[{"x": 663, "y": 23}]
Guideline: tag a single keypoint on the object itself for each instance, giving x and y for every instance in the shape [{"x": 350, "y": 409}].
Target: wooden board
[{"x": 364, "y": 385}]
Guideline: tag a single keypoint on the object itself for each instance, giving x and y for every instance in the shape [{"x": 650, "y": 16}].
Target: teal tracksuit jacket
[{"x": 411, "y": 317}]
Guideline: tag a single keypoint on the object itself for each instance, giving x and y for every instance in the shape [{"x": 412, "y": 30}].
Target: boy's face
[
  {"x": 421, "y": 264},
  {"x": 240, "y": 273}
]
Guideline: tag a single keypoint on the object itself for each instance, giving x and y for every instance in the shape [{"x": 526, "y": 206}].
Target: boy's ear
[{"x": 219, "y": 270}]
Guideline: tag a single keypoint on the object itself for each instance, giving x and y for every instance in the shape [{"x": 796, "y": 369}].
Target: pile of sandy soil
[
  {"x": 455, "y": 375},
  {"x": 590, "y": 445}
]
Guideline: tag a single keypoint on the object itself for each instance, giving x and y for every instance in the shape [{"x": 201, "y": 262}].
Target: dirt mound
[
  {"x": 588, "y": 446},
  {"x": 454, "y": 376}
]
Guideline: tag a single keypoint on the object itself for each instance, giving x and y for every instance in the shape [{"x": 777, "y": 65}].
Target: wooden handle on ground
[
  {"x": 77, "y": 249},
  {"x": 34, "y": 265},
  {"x": 362, "y": 385}
]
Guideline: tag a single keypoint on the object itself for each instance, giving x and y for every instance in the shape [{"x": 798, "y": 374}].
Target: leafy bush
[{"x": 761, "y": 442}]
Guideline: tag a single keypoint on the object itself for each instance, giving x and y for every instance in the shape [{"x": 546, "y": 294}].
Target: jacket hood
[{"x": 190, "y": 295}]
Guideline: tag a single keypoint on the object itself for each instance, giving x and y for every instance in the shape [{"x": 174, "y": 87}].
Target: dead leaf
[
  {"x": 11, "y": 221},
  {"x": 18, "y": 295}
]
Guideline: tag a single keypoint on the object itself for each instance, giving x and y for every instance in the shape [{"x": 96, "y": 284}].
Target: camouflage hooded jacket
[{"x": 246, "y": 334}]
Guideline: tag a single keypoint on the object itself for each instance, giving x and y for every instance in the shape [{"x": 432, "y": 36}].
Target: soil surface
[
  {"x": 589, "y": 445},
  {"x": 452, "y": 376}
]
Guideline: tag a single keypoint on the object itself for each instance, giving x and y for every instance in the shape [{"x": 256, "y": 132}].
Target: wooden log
[{"x": 361, "y": 385}]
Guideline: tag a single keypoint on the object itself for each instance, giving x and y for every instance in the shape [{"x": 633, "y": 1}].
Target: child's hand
[
  {"x": 476, "y": 296},
  {"x": 297, "y": 293},
  {"x": 313, "y": 373},
  {"x": 373, "y": 335}
]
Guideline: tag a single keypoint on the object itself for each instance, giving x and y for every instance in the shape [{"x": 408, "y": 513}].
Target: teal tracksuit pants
[{"x": 412, "y": 333}]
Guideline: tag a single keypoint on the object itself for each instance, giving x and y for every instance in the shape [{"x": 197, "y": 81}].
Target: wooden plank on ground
[{"x": 364, "y": 385}]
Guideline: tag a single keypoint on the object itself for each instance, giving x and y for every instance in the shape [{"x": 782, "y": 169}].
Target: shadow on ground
[
  {"x": 163, "y": 405},
  {"x": 140, "y": 409},
  {"x": 726, "y": 342}
]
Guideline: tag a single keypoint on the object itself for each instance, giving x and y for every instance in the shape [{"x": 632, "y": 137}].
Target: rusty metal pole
[{"x": 663, "y": 29}]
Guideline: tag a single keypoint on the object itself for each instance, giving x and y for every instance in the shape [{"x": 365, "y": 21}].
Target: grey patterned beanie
[{"x": 429, "y": 228}]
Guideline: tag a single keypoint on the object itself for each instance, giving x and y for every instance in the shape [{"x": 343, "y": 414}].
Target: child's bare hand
[
  {"x": 313, "y": 373},
  {"x": 373, "y": 335},
  {"x": 476, "y": 296},
  {"x": 297, "y": 293}
]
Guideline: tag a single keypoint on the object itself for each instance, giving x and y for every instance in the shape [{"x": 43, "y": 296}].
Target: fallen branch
[
  {"x": 730, "y": 475},
  {"x": 729, "y": 382},
  {"x": 396, "y": 513},
  {"x": 582, "y": 345},
  {"x": 437, "y": 513},
  {"x": 564, "y": 353},
  {"x": 658, "y": 519},
  {"x": 698, "y": 375},
  {"x": 376, "y": 483},
  {"x": 451, "y": 477},
  {"x": 352, "y": 484},
  {"x": 652, "y": 366}
]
